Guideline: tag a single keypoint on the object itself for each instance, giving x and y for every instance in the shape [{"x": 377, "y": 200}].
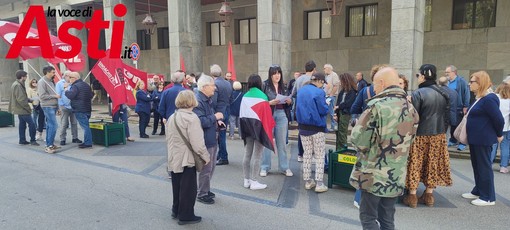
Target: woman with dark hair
[
  {"x": 429, "y": 160},
  {"x": 403, "y": 82},
  {"x": 484, "y": 127},
  {"x": 272, "y": 87},
  {"x": 256, "y": 125},
  {"x": 346, "y": 98}
]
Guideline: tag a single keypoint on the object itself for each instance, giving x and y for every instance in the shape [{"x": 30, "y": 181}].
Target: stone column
[
  {"x": 129, "y": 23},
  {"x": 7, "y": 76},
  {"x": 407, "y": 26},
  {"x": 274, "y": 19},
  {"x": 185, "y": 34},
  {"x": 81, "y": 34}
]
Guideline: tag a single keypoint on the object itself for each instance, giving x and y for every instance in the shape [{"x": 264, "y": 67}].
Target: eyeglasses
[{"x": 417, "y": 75}]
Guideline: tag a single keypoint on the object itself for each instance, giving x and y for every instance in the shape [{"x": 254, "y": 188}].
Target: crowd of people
[{"x": 401, "y": 137}]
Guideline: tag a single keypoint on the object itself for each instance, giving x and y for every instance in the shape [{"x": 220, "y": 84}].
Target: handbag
[
  {"x": 199, "y": 162},
  {"x": 460, "y": 132}
]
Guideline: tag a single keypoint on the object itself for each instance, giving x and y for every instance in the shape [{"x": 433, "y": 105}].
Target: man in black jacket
[{"x": 80, "y": 95}]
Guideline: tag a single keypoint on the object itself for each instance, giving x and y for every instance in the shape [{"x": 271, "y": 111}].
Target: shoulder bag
[
  {"x": 460, "y": 132},
  {"x": 199, "y": 162}
]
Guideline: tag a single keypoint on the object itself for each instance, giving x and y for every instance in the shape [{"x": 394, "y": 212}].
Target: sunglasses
[{"x": 418, "y": 75}]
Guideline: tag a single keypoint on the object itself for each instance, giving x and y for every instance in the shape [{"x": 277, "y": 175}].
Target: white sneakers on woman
[
  {"x": 253, "y": 184},
  {"x": 477, "y": 201},
  {"x": 469, "y": 195}
]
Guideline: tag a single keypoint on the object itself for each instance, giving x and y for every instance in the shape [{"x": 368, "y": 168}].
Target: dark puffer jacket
[{"x": 80, "y": 95}]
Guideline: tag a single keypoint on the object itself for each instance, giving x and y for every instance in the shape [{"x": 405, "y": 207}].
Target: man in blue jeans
[
  {"x": 48, "y": 97},
  {"x": 221, "y": 103},
  {"x": 18, "y": 104},
  {"x": 80, "y": 95}
]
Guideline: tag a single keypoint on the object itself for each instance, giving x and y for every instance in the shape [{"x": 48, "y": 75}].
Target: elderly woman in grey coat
[{"x": 181, "y": 163}]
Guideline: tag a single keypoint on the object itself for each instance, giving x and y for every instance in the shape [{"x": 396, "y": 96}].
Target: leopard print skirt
[{"x": 429, "y": 162}]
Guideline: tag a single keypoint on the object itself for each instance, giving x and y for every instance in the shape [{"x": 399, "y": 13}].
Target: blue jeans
[
  {"x": 25, "y": 120},
  {"x": 83, "y": 120},
  {"x": 505, "y": 150},
  {"x": 280, "y": 134},
  {"x": 233, "y": 123},
  {"x": 39, "y": 119},
  {"x": 222, "y": 138},
  {"x": 331, "y": 111},
  {"x": 122, "y": 114},
  {"x": 51, "y": 124},
  {"x": 357, "y": 196}
]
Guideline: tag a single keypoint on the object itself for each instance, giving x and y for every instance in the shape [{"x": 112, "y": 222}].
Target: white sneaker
[
  {"x": 321, "y": 188},
  {"x": 49, "y": 149},
  {"x": 288, "y": 173},
  {"x": 309, "y": 184},
  {"x": 38, "y": 136},
  {"x": 356, "y": 204},
  {"x": 299, "y": 159},
  {"x": 263, "y": 173},
  {"x": 246, "y": 183},
  {"x": 479, "y": 202},
  {"x": 503, "y": 170},
  {"x": 469, "y": 195},
  {"x": 255, "y": 185}
]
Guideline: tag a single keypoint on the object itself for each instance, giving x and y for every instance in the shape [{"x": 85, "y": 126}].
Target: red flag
[
  {"x": 134, "y": 75},
  {"x": 183, "y": 66},
  {"x": 110, "y": 73},
  {"x": 8, "y": 31},
  {"x": 231, "y": 66}
]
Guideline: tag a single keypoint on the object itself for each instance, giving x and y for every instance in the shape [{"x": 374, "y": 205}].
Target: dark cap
[{"x": 318, "y": 76}]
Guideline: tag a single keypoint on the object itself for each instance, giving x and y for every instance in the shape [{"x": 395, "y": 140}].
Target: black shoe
[
  {"x": 76, "y": 140},
  {"x": 144, "y": 136},
  {"x": 34, "y": 143},
  {"x": 162, "y": 134},
  {"x": 153, "y": 133},
  {"x": 205, "y": 199},
  {"x": 222, "y": 162},
  {"x": 24, "y": 142},
  {"x": 211, "y": 194},
  {"x": 62, "y": 142},
  {"x": 195, "y": 220},
  {"x": 83, "y": 146}
]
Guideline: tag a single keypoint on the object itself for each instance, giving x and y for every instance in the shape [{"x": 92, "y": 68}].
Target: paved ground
[{"x": 126, "y": 187}]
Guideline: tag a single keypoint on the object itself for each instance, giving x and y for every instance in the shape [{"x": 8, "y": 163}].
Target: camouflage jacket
[{"x": 383, "y": 136}]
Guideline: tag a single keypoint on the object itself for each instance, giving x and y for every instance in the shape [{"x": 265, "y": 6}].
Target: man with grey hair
[
  {"x": 209, "y": 120},
  {"x": 221, "y": 104},
  {"x": 167, "y": 101},
  {"x": 66, "y": 112},
  {"x": 80, "y": 95},
  {"x": 459, "y": 84},
  {"x": 331, "y": 89},
  {"x": 455, "y": 102}
]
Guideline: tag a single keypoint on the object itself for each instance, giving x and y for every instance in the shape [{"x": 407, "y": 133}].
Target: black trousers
[
  {"x": 482, "y": 170},
  {"x": 374, "y": 208},
  {"x": 184, "y": 188},
  {"x": 158, "y": 119},
  {"x": 144, "y": 119}
]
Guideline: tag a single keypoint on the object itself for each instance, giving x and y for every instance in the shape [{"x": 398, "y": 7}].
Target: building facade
[{"x": 470, "y": 34}]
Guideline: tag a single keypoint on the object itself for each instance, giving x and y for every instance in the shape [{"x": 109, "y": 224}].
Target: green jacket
[
  {"x": 18, "y": 104},
  {"x": 383, "y": 136}
]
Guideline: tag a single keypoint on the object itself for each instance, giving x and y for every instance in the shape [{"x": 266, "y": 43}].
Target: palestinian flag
[{"x": 256, "y": 118}]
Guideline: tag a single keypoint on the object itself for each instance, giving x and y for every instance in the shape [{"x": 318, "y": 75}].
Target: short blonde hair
[
  {"x": 484, "y": 81},
  {"x": 237, "y": 85},
  {"x": 186, "y": 99}
]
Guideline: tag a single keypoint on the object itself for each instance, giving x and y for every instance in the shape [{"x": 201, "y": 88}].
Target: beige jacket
[
  {"x": 179, "y": 155},
  {"x": 32, "y": 94}
]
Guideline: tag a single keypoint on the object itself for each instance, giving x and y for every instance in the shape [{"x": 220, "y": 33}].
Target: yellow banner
[
  {"x": 96, "y": 126},
  {"x": 348, "y": 159}
]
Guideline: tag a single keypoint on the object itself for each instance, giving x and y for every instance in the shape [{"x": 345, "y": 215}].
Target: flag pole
[{"x": 87, "y": 75}]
